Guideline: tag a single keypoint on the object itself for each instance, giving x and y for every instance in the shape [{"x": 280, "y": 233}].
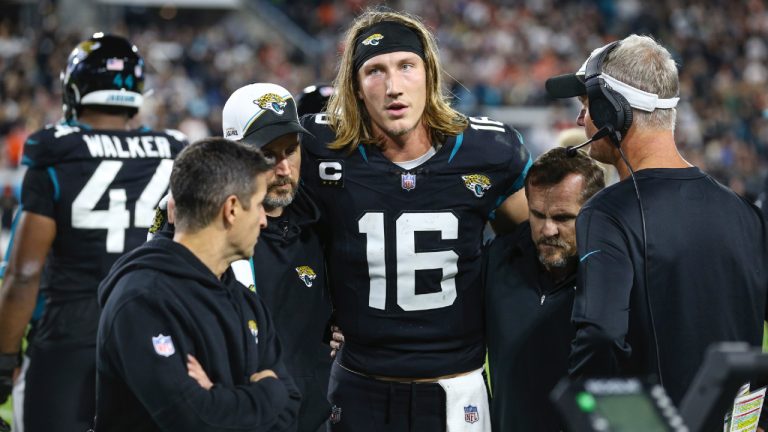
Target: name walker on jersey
[{"x": 128, "y": 147}]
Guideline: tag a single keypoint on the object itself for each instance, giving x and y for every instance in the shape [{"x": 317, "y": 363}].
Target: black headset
[
  {"x": 612, "y": 113},
  {"x": 607, "y": 107}
]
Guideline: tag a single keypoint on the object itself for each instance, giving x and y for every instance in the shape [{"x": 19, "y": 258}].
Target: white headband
[{"x": 637, "y": 98}]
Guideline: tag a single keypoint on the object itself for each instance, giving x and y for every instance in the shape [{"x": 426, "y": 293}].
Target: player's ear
[{"x": 229, "y": 210}]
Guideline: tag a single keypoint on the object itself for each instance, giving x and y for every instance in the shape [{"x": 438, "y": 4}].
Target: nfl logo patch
[
  {"x": 408, "y": 181},
  {"x": 470, "y": 414},
  {"x": 335, "y": 414},
  {"x": 163, "y": 345}
]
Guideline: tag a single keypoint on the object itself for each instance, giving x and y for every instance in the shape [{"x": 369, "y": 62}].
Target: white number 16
[{"x": 408, "y": 260}]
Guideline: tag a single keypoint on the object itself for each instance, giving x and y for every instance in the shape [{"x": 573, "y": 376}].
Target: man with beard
[
  {"x": 530, "y": 278},
  {"x": 287, "y": 268}
]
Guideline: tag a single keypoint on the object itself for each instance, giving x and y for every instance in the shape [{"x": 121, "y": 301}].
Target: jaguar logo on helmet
[
  {"x": 272, "y": 102},
  {"x": 477, "y": 183},
  {"x": 373, "y": 39},
  {"x": 306, "y": 274}
]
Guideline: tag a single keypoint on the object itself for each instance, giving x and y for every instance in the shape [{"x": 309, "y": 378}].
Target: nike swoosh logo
[{"x": 588, "y": 254}]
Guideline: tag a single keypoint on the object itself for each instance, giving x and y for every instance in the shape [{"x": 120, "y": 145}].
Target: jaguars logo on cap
[
  {"x": 373, "y": 39},
  {"x": 272, "y": 102},
  {"x": 306, "y": 274},
  {"x": 477, "y": 183}
]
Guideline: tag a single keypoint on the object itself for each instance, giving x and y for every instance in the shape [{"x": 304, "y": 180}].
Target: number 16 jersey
[{"x": 404, "y": 246}]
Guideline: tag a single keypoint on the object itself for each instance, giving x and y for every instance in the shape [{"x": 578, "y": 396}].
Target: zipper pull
[
  {"x": 543, "y": 296},
  {"x": 284, "y": 227}
]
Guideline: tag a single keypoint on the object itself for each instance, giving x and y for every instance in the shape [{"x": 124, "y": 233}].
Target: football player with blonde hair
[{"x": 405, "y": 186}]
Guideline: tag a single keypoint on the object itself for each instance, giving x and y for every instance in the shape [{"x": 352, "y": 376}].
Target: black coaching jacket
[
  {"x": 291, "y": 280},
  {"x": 161, "y": 303}
]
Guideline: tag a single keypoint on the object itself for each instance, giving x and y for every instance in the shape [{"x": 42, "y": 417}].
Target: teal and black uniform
[
  {"x": 403, "y": 247},
  {"x": 101, "y": 188}
]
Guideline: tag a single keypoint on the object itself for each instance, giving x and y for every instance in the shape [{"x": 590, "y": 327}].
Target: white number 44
[{"x": 116, "y": 219}]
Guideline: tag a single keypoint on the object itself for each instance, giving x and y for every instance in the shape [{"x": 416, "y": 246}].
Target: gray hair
[{"x": 644, "y": 64}]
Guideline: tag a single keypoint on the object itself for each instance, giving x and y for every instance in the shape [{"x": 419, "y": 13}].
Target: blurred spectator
[{"x": 497, "y": 54}]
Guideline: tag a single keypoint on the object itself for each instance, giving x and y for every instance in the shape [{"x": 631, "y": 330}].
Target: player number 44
[{"x": 116, "y": 219}]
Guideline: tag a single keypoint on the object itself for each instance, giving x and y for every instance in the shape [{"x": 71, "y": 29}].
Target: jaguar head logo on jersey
[
  {"x": 163, "y": 345},
  {"x": 470, "y": 414},
  {"x": 373, "y": 39},
  {"x": 477, "y": 183},
  {"x": 272, "y": 102},
  {"x": 306, "y": 274},
  {"x": 254, "y": 329}
]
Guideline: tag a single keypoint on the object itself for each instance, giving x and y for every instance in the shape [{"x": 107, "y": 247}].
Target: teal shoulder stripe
[
  {"x": 459, "y": 142},
  {"x": 588, "y": 254},
  {"x": 31, "y": 141},
  {"x": 55, "y": 180},
  {"x": 518, "y": 184},
  {"x": 361, "y": 149}
]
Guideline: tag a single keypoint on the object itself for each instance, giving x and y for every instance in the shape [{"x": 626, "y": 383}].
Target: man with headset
[{"x": 670, "y": 260}]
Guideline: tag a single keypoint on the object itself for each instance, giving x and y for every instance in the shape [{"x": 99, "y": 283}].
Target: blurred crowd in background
[{"x": 497, "y": 53}]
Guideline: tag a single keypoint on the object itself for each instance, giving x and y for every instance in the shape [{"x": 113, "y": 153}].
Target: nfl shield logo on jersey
[
  {"x": 470, "y": 414},
  {"x": 335, "y": 414},
  {"x": 163, "y": 345},
  {"x": 408, "y": 181}
]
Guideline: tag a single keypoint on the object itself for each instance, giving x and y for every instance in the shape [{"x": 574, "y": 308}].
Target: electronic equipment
[
  {"x": 616, "y": 405},
  {"x": 727, "y": 366}
]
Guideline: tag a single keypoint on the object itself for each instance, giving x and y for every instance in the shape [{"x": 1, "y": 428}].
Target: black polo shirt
[{"x": 707, "y": 276}]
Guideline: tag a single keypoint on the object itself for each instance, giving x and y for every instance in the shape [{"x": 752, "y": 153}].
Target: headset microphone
[{"x": 601, "y": 133}]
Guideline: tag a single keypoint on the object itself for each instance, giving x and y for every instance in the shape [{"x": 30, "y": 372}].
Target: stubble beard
[
  {"x": 562, "y": 259},
  {"x": 276, "y": 198}
]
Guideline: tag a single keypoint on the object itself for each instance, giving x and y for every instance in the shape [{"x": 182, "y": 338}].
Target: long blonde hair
[{"x": 347, "y": 114}]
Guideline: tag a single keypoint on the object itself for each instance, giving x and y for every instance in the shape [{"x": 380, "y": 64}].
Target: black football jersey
[
  {"x": 101, "y": 187},
  {"x": 404, "y": 246}
]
